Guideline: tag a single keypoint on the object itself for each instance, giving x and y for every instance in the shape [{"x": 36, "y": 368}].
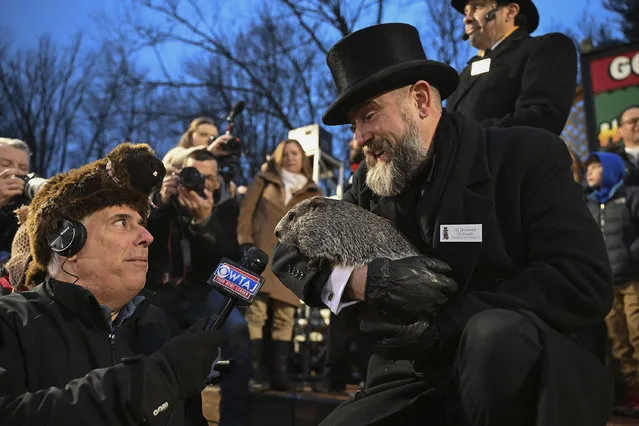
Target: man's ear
[
  {"x": 423, "y": 96},
  {"x": 512, "y": 10}
]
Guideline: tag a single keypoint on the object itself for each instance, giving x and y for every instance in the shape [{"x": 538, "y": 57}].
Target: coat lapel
[{"x": 461, "y": 194}]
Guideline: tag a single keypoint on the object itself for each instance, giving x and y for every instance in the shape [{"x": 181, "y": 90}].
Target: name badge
[
  {"x": 471, "y": 233},
  {"x": 480, "y": 67}
]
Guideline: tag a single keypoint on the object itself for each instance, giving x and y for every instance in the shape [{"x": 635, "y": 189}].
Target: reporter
[{"x": 85, "y": 346}]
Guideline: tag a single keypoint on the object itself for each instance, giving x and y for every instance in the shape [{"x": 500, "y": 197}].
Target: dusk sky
[{"x": 25, "y": 20}]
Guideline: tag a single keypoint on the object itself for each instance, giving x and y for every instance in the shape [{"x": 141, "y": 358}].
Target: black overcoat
[
  {"x": 531, "y": 82},
  {"x": 541, "y": 254}
]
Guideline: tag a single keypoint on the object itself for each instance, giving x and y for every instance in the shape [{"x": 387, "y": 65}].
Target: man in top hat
[
  {"x": 500, "y": 322},
  {"x": 84, "y": 347},
  {"x": 515, "y": 79}
]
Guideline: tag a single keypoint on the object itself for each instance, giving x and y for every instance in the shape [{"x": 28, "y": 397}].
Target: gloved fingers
[
  {"x": 415, "y": 302},
  {"x": 285, "y": 255},
  {"x": 443, "y": 283},
  {"x": 375, "y": 328},
  {"x": 436, "y": 265}
]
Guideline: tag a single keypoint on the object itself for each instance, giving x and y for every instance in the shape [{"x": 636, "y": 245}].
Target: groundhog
[{"x": 341, "y": 234}]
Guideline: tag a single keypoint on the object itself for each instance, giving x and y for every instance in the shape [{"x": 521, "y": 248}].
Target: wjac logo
[{"x": 237, "y": 281}]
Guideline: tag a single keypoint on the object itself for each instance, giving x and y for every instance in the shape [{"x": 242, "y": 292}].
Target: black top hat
[
  {"x": 377, "y": 59},
  {"x": 526, "y": 8}
]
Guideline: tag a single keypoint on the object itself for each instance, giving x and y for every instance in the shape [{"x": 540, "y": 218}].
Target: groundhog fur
[{"x": 341, "y": 234}]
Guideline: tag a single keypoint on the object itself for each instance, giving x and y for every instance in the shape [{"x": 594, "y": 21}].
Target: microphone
[
  {"x": 237, "y": 108},
  {"x": 489, "y": 16},
  {"x": 238, "y": 283},
  {"x": 234, "y": 144}
]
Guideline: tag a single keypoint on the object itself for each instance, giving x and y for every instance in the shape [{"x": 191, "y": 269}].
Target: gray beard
[{"x": 390, "y": 179}]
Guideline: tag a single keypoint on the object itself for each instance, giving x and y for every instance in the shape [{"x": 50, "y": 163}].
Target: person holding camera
[
  {"x": 14, "y": 163},
  {"x": 192, "y": 234}
]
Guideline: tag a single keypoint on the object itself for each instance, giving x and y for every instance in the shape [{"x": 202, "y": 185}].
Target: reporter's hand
[
  {"x": 198, "y": 208},
  {"x": 10, "y": 185},
  {"x": 169, "y": 185},
  {"x": 188, "y": 358},
  {"x": 217, "y": 147},
  {"x": 408, "y": 289}
]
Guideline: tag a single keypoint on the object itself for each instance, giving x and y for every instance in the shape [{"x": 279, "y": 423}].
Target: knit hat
[{"x": 126, "y": 176}]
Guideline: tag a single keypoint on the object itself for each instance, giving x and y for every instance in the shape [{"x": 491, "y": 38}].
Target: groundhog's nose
[{"x": 277, "y": 233}]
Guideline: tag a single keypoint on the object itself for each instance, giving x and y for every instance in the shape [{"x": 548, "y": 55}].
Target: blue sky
[{"x": 26, "y": 19}]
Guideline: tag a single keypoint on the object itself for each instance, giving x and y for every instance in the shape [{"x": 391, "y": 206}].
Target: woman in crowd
[
  {"x": 197, "y": 136},
  {"x": 285, "y": 182}
]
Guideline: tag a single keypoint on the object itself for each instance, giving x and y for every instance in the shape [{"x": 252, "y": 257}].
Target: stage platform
[{"x": 301, "y": 409}]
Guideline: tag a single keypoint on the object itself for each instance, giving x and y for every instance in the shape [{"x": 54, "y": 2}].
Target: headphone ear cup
[{"x": 70, "y": 239}]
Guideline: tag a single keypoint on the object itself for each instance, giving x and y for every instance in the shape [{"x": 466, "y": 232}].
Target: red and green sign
[{"x": 611, "y": 83}]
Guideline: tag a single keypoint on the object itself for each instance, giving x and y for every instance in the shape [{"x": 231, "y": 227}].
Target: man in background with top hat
[
  {"x": 500, "y": 322},
  {"x": 515, "y": 79}
]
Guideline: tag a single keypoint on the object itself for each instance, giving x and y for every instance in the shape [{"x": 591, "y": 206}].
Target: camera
[
  {"x": 191, "y": 178},
  {"x": 32, "y": 184},
  {"x": 233, "y": 146}
]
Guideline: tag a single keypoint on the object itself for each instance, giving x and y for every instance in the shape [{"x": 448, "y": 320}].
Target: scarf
[{"x": 293, "y": 182}]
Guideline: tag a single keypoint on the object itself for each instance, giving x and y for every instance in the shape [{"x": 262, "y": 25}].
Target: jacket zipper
[
  {"x": 112, "y": 346},
  {"x": 602, "y": 220}
]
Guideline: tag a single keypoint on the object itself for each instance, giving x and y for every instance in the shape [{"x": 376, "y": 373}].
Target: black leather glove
[
  {"x": 304, "y": 278},
  {"x": 401, "y": 341},
  {"x": 186, "y": 359},
  {"x": 408, "y": 289}
]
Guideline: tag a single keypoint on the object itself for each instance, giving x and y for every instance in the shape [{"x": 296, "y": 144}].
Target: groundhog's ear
[{"x": 316, "y": 202}]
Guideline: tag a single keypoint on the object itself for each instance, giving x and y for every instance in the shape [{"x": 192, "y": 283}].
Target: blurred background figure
[
  {"x": 284, "y": 182},
  {"x": 615, "y": 207},
  {"x": 14, "y": 165},
  {"x": 628, "y": 148},
  {"x": 577, "y": 168}
]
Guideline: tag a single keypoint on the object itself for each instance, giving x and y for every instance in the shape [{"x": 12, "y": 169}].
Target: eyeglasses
[{"x": 632, "y": 121}]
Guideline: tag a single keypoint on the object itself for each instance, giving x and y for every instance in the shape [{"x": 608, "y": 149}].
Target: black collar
[{"x": 81, "y": 302}]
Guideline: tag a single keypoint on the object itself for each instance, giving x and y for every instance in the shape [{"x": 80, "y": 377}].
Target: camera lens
[{"x": 189, "y": 177}]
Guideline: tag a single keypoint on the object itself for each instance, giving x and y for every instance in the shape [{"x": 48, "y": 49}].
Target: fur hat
[{"x": 126, "y": 176}]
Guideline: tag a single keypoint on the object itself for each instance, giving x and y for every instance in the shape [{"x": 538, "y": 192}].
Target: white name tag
[
  {"x": 460, "y": 233},
  {"x": 480, "y": 67}
]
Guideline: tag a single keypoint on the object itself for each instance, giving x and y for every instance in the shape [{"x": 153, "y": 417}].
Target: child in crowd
[{"x": 615, "y": 207}]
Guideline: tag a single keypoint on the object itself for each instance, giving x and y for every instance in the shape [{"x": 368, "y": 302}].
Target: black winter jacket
[
  {"x": 619, "y": 223},
  {"x": 207, "y": 243},
  {"x": 62, "y": 364}
]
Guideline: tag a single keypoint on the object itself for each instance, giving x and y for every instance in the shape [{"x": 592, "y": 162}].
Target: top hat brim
[
  {"x": 526, "y": 7},
  {"x": 441, "y": 76}
]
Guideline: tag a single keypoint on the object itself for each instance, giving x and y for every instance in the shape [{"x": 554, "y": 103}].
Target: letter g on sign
[{"x": 621, "y": 67}]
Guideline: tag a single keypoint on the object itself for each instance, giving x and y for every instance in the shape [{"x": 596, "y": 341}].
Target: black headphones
[{"x": 69, "y": 239}]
